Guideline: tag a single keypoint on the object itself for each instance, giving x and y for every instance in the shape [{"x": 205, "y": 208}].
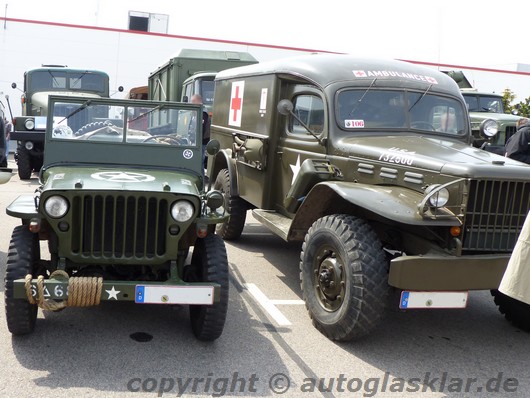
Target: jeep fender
[
  {"x": 386, "y": 204},
  {"x": 223, "y": 160},
  {"x": 23, "y": 207}
]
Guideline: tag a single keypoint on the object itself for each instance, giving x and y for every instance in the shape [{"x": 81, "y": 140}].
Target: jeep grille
[
  {"x": 496, "y": 211},
  {"x": 119, "y": 226},
  {"x": 510, "y": 130}
]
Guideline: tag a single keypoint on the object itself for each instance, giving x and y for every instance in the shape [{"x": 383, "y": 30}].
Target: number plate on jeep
[
  {"x": 174, "y": 294},
  {"x": 411, "y": 300}
]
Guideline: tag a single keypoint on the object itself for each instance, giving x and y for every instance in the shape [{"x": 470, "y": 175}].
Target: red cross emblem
[{"x": 236, "y": 103}]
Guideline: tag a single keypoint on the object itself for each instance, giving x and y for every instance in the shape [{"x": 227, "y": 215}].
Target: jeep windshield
[
  {"x": 131, "y": 133},
  {"x": 484, "y": 103},
  {"x": 399, "y": 110}
]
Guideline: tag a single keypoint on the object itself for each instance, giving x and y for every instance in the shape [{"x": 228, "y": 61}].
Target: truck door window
[{"x": 310, "y": 109}]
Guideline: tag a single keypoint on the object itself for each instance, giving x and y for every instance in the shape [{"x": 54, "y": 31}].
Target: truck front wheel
[
  {"x": 24, "y": 163},
  {"x": 344, "y": 277},
  {"x": 515, "y": 311},
  {"x": 21, "y": 259},
  {"x": 235, "y": 206},
  {"x": 209, "y": 263}
]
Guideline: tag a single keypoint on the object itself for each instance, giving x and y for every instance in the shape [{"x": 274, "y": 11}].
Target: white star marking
[
  {"x": 295, "y": 168},
  {"x": 113, "y": 293}
]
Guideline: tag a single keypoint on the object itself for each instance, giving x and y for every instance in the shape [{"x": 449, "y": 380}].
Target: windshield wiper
[
  {"x": 79, "y": 78},
  {"x": 54, "y": 79},
  {"x": 419, "y": 99},
  {"x": 83, "y": 106},
  {"x": 362, "y": 97}
]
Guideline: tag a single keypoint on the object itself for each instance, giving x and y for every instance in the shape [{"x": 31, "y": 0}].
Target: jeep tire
[
  {"x": 24, "y": 163},
  {"x": 209, "y": 264},
  {"x": 21, "y": 259},
  {"x": 235, "y": 206},
  {"x": 515, "y": 311},
  {"x": 343, "y": 276}
]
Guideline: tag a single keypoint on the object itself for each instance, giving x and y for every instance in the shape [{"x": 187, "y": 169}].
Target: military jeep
[
  {"x": 487, "y": 109},
  {"x": 368, "y": 164},
  {"x": 121, "y": 201}
]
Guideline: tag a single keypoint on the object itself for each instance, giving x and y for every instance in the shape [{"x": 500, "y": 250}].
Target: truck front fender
[
  {"x": 388, "y": 204},
  {"x": 23, "y": 207},
  {"x": 224, "y": 160}
]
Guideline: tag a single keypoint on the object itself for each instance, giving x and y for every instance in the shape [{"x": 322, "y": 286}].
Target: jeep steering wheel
[{"x": 172, "y": 139}]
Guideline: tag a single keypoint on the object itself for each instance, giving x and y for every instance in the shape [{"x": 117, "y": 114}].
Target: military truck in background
[
  {"x": 120, "y": 206},
  {"x": 193, "y": 71},
  {"x": 39, "y": 83},
  {"x": 488, "y": 109},
  {"x": 369, "y": 165}
]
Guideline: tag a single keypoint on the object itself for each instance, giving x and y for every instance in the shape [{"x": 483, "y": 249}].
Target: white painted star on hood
[{"x": 113, "y": 293}]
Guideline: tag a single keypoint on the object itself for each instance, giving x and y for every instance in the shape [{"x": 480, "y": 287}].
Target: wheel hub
[{"x": 329, "y": 282}]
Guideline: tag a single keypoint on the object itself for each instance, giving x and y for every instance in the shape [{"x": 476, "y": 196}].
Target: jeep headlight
[
  {"x": 437, "y": 196},
  {"x": 182, "y": 211},
  {"x": 29, "y": 124},
  {"x": 489, "y": 128},
  {"x": 56, "y": 206}
]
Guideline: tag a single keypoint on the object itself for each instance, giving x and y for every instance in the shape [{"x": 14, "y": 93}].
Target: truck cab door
[{"x": 296, "y": 145}]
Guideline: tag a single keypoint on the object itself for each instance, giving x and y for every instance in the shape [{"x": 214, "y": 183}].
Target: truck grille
[
  {"x": 496, "y": 211},
  {"x": 119, "y": 226}
]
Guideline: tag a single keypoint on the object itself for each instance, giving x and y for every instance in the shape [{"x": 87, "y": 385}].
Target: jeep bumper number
[{"x": 142, "y": 293}]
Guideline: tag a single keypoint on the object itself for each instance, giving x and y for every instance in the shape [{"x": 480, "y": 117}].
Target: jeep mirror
[
  {"x": 120, "y": 89},
  {"x": 213, "y": 147},
  {"x": 13, "y": 85},
  {"x": 285, "y": 107},
  {"x": 5, "y": 175}
]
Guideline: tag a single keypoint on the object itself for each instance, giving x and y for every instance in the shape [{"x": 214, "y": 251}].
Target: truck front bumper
[{"x": 448, "y": 273}]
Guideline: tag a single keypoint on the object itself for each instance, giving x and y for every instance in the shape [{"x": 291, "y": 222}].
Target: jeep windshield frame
[
  {"x": 125, "y": 132},
  {"x": 483, "y": 103},
  {"x": 400, "y": 110}
]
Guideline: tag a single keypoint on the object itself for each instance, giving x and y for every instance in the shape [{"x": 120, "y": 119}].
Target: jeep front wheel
[
  {"x": 21, "y": 258},
  {"x": 235, "y": 206},
  {"x": 23, "y": 163},
  {"x": 515, "y": 311},
  {"x": 343, "y": 276},
  {"x": 209, "y": 264}
]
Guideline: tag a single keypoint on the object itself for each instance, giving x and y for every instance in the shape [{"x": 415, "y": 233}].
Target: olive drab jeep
[
  {"x": 121, "y": 201},
  {"x": 368, "y": 164}
]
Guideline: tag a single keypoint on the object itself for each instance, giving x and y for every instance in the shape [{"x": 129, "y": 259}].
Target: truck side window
[{"x": 310, "y": 109}]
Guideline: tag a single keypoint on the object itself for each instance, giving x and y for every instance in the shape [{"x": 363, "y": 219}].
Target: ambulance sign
[
  {"x": 236, "y": 104},
  {"x": 389, "y": 73}
]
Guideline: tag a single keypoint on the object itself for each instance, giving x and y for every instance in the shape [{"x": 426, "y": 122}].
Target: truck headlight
[
  {"x": 56, "y": 206},
  {"x": 29, "y": 124},
  {"x": 489, "y": 128},
  {"x": 182, "y": 211},
  {"x": 437, "y": 197}
]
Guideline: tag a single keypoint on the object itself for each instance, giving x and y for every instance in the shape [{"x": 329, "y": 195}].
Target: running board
[{"x": 276, "y": 222}]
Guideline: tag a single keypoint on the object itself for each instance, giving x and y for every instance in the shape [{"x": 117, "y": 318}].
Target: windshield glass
[
  {"x": 484, "y": 103},
  {"x": 65, "y": 80},
  {"x": 389, "y": 109},
  {"x": 137, "y": 123}
]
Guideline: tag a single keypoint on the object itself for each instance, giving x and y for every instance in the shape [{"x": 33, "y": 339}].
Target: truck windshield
[
  {"x": 399, "y": 110},
  {"x": 67, "y": 80},
  {"x": 132, "y": 124}
]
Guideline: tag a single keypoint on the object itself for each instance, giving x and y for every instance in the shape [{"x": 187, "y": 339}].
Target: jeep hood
[
  {"x": 119, "y": 179},
  {"x": 435, "y": 154},
  {"x": 498, "y": 117}
]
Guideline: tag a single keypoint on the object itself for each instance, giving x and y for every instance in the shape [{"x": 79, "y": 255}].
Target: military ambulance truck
[
  {"x": 39, "y": 83},
  {"x": 369, "y": 165},
  {"x": 193, "y": 72}
]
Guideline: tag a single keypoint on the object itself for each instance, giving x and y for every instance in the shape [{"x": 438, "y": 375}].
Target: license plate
[
  {"x": 174, "y": 295},
  {"x": 433, "y": 300}
]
